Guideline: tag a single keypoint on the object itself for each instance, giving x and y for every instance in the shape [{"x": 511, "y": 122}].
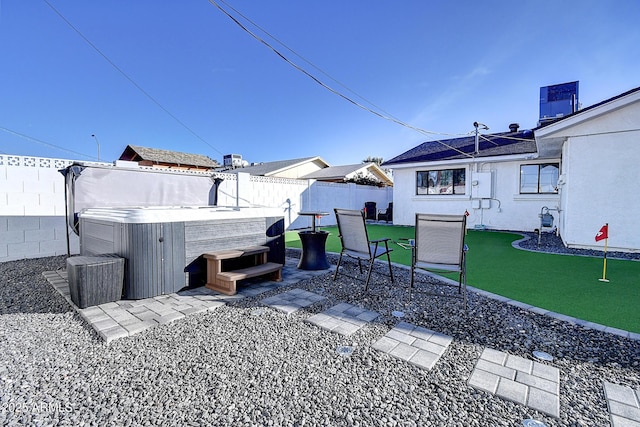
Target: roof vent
[{"x": 513, "y": 127}]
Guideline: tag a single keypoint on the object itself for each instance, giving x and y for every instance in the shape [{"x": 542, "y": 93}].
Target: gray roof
[
  {"x": 490, "y": 145},
  {"x": 335, "y": 171},
  {"x": 137, "y": 153},
  {"x": 266, "y": 168}
]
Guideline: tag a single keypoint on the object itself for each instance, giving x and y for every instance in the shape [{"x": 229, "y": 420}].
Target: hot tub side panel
[
  {"x": 154, "y": 253},
  {"x": 275, "y": 239},
  {"x": 98, "y": 237},
  {"x": 164, "y": 257},
  {"x": 156, "y": 259},
  {"x": 222, "y": 234}
]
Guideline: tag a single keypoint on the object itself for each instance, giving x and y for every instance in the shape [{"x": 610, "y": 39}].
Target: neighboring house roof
[
  {"x": 280, "y": 167},
  {"x": 312, "y": 168},
  {"x": 490, "y": 145},
  {"x": 340, "y": 173},
  {"x": 166, "y": 158}
]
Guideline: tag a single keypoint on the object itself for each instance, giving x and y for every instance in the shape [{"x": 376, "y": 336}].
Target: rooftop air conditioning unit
[{"x": 232, "y": 160}]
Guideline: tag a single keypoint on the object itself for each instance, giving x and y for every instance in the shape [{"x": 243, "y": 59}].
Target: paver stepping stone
[
  {"x": 343, "y": 318},
  {"x": 415, "y": 344},
  {"x": 124, "y": 318},
  {"x": 624, "y": 405},
  {"x": 520, "y": 380},
  {"x": 293, "y": 300}
]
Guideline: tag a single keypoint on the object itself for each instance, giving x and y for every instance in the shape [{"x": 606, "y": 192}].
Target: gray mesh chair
[
  {"x": 440, "y": 247},
  {"x": 356, "y": 244}
]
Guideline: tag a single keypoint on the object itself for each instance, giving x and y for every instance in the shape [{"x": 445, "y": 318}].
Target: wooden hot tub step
[{"x": 225, "y": 281}]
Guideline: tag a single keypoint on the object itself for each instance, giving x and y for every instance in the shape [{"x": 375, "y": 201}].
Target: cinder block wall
[
  {"x": 32, "y": 216},
  {"x": 32, "y": 204}
]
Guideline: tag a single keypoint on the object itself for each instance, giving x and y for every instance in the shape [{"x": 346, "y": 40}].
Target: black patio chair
[
  {"x": 370, "y": 210},
  {"x": 387, "y": 214}
]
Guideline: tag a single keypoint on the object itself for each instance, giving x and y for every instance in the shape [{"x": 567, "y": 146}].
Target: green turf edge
[{"x": 564, "y": 284}]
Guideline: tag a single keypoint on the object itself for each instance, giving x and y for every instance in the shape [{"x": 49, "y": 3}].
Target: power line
[
  {"x": 32, "y": 139},
  {"x": 133, "y": 82},
  {"x": 327, "y": 87},
  {"x": 303, "y": 58}
]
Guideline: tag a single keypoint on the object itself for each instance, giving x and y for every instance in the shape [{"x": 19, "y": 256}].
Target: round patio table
[{"x": 314, "y": 256}]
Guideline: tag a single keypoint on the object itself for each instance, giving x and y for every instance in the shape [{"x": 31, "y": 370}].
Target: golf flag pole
[{"x": 604, "y": 234}]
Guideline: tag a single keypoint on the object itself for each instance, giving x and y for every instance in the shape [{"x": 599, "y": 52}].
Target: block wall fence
[{"x": 32, "y": 203}]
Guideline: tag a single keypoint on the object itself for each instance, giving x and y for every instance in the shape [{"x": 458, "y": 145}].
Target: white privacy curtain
[{"x": 106, "y": 186}]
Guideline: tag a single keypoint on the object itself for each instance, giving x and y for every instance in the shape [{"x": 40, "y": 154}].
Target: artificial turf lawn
[{"x": 565, "y": 284}]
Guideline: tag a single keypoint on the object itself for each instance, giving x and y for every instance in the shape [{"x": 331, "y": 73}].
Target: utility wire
[
  {"x": 29, "y": 138},
  {"x": 133, "y": 82},
  {"x": 318, "y": 81},
  {"x": 303, "y": 58}
]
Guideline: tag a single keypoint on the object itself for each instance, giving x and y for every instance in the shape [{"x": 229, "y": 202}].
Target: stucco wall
[
  {"x": 602, "y": 173},
  {"x": 600, "y": 155},
  {"x": 506, "y": 209}
]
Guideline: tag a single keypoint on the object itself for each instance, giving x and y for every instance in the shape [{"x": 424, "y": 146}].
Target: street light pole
[{"x": 97, "y": 142}]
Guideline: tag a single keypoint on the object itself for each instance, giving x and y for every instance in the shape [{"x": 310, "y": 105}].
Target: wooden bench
[{"x": 225, "y": 281}]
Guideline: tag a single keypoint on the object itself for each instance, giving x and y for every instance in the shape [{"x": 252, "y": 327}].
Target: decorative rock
[{"x": 228, "y": 367}]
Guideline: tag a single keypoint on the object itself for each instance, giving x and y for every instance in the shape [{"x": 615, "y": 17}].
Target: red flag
[
  {"x": 603, "y": 233},
  {"x": 466, "y": 212}
]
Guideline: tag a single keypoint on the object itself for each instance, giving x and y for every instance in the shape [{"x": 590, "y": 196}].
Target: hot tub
[{"x": 163, "y": 245}]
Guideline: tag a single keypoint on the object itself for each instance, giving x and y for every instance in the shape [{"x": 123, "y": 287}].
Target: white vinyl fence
[{"x": 32, "y": 202}]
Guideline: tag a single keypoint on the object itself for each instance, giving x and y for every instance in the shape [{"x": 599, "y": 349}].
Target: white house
[
  {"x": 578, "y": 168},
  {"x": 600, "y": 151},
  {"x": 344, "y": 173},
  {"x": 314, "y": 168}
]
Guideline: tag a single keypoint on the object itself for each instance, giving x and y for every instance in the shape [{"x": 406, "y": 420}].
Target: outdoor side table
[
  {"x": 95, "y": 280},
  {"x": 314, "y": 256}
]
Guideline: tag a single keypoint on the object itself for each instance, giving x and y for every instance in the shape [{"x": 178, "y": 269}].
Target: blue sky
[{"x": 183, "y": 76}]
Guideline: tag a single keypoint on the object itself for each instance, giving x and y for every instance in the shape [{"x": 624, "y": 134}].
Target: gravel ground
[
  {"x": 231, "y": 367},
  {"x": 549, "y": 242}
]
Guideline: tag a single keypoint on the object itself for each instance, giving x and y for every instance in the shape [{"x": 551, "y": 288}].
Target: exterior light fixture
[{"x": 96, "y": 138}]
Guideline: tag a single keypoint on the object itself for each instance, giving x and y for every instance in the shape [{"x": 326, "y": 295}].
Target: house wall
[
  {"x": 503, "y": 208},
  {"x": 600, "y": 153},
  {"x": 32, "y": 205},
  {"x": 301, "y": 170},
  {"x": 601, "y": 173}
]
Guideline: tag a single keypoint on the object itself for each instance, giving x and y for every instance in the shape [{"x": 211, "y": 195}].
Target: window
[
  {"x": 539, "y": 179},
  {"x": 446, "y": 181}
]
